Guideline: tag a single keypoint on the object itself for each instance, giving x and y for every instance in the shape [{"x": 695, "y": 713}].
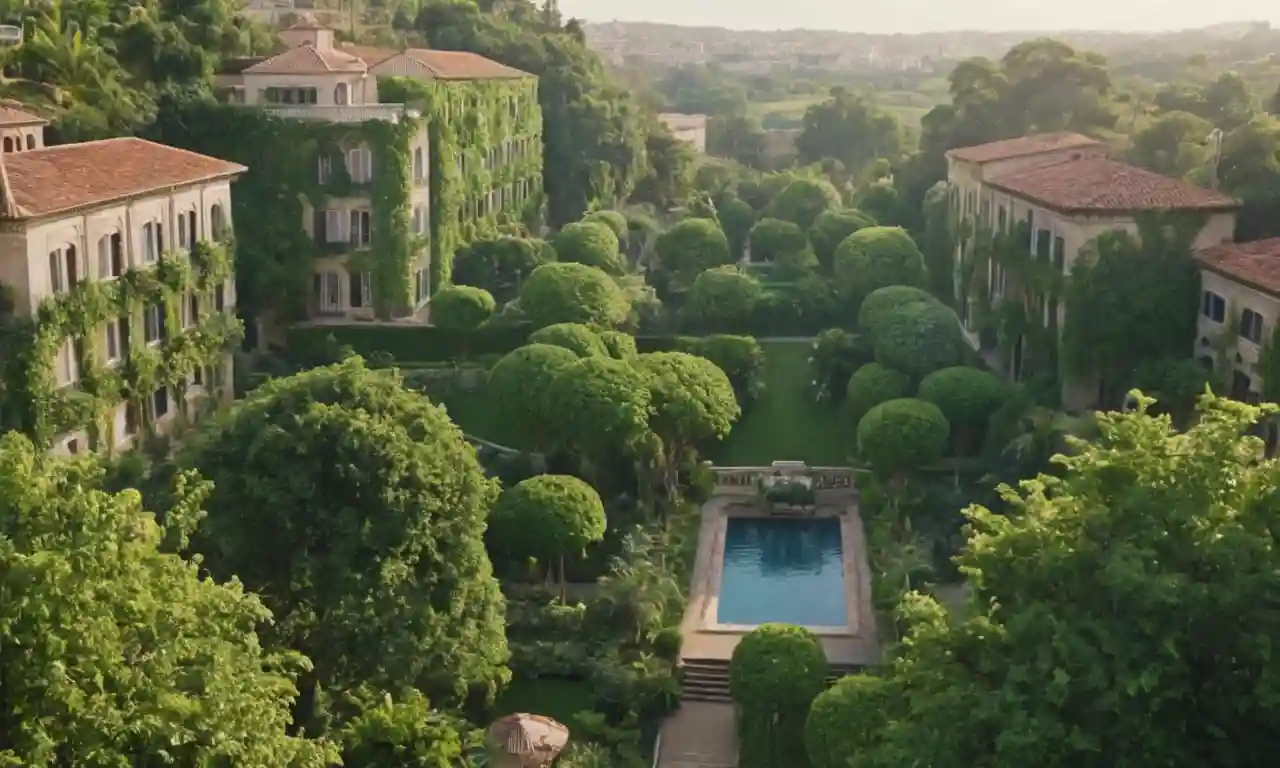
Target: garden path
[{"x": 699, "y": 735}]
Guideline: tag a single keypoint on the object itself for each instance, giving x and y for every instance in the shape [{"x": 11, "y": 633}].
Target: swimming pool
[{"x": 789, "y": 571}]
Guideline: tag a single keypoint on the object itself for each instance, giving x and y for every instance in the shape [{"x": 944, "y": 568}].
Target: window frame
[
  {"x": 1211, "y": 301},
  {"x": 1252, "y": 321}
]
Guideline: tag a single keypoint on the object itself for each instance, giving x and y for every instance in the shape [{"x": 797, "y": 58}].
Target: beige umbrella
[{"x": 528, "y": 741}]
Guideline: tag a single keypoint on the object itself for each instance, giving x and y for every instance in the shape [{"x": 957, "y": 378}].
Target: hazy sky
[{"x": 887, "y": 16}]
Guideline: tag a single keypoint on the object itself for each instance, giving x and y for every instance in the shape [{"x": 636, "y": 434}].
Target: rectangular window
[
  {"x": 360, "y": 165},
  {"x": 355, "y": 284},
  {"x": 149, "y": 242},
  {"x": 1240, "y": 385},
  {"x": 334, "y": 227},
  {"x": 360, "y": 229},
  {"x": 1059, "y": 254},
  {"x": 68, "y": 363},
  {"x": 159, "y": 402},
  {"x": 324, "y": 169},
  {"x": 1044, "y": 241},
  {"x": 56, "y": 283},
  {"x": 1031, "y": 230},
  {"x": 1213, "y": 306},
  {"x": 193, "y": 233},
  {"x": 1251, "y": 326},
  {"x": 153, "y": 330},
  {"x": 114, "y": 346},
  {"x": 182, "y": 232},
  {"x": 130, "y": 420},
  {"x": 1003, "y": 218},
  {"x": 192, "y": 309},
  {"x": 220, "y": 298},
  {"x": 197, "y": 376}
]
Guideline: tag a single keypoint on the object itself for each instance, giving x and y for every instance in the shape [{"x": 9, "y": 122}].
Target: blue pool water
[{"x": 788, "y": 571}]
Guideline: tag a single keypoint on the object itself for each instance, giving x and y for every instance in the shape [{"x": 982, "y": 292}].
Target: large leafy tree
[
  {"x": 356, "y": 508},
  {"x": 114, "y": 650},
  {"x": 776, "y": 672},
  {"x": 803, "y": 201},
  {"x": 1174, "y": 144},
  {"x": 848, "y": 128},
  {"x": 1123, "y": 614},
  {"x": 547, "y": 517},
  {"x": 601, "y": 407}
]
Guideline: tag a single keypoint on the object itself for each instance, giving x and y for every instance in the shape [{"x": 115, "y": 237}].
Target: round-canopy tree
[
  {"x": 831, "y": 228},
  {"x": 902, "y": 434},
  {"x": 573, "y": 293},
  {"x": 880, "y": 302},
  {"x": 918, "y": 339},
  {"x": 113, "y": 649},
  {"x": 461, "y": 307},
  {"x": 771, "y": 239},
  {"x": 547, "y": 517},
  {"x": 520, "y": 389},
  {"x": 882, "y": 202},
  {"x": 619, "y": 345},
  {"x": 721, "y": 299},
  {"x": 836, "y": 355},
  {"x": 803, "y": 201},
  {"x": 846, "y": 719},
  {"x": 736, "y": 219},
  {"x": 873, "y": 384},
  {"x": 614, "y": 220},
  {"x": 692, "y": 246},
  {"x": 776, "y": 672},
  {"x": 580, "y": 339},
  {"x": 876, "y": 257},
  {"x": 589, "y": 242},
  {"x": 967, "y": 397},
  {"x": 599, "y": 406},
  {"x": 500, "y": 265},
  {"x": 356, "y": 508},
  {"x": 693, "y": 402}
]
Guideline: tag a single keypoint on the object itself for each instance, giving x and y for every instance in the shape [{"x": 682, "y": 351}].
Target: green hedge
[{"x": 420, "y": 344}]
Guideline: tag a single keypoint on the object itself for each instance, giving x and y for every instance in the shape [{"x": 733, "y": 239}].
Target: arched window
[
  {"x": 340, "y": 94},
  {"x": 31, "y": 141},
  {"x": 8, "y": 143},
  {"x": 217, "y": 221}
]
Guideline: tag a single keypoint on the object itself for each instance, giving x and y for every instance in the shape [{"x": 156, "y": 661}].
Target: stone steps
[{"x": 708, "y": 679}]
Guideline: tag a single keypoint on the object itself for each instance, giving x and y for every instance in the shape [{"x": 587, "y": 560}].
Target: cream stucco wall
[
  {"x": 24, "y": 266},
  {"x": 362, "y": 88},
  {"x": 21, "y": 138},
  {"x": 1238, "y": 297}
]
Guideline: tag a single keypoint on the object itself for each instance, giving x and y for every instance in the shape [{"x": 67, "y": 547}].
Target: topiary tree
[
  {"x": 831, "y": 228},
  {"x": 692, "y": 246},
  {"x": 519, "y": 390},
  {"x": 591, "y": 243},
  {"x": 846, "y": 719},
  {"x": 461, "y": 307},
  {"x": 600, "y": 406},
  {"x": 918, "y": 339},
  {"x": 967, "y": 397},
  {"x": 721, "y": 299},
  {"x": 693, "y": 402},
  {"x": 500, "y": 265},
  {"x": 902, "y": 434},
  {"x": 796, "y": 265},
  {"x": 116, "y": 649},
  {"x": 573, "y": 293},
  {"x": 356, "y": 508},
  {"x": 740, "y": 357},
  {"x": 580, "y": 339},
  {"x": 615, "y": 221},
  {"x": 876, "y": 257},
  {"x": 619, "y": 345},
  {"x": 773, "y": 238},
  {"x": 776, "y": 672},
  {"x": 883, "y": 203},
  {"x": 880, "y": 302},
  {"x": 736, "y": 219},
  {"x": 803, "y": 201},
  {"x": 873, "y": 384},
  {"x": 546, "y": 517}
]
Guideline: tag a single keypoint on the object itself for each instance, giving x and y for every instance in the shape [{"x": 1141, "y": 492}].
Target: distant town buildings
[{"x": 691, "y": 129}]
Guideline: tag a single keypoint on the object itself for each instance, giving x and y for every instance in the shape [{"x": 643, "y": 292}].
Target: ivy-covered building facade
[
  {"x": 117, "y": 313},
  {"x": 396, "y": 158},
  {"x": 1024, "y": 211}
]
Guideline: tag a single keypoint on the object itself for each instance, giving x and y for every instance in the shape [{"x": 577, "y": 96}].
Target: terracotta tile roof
[
  {"x": 11, "y": 115},
  {"x": 236, "y": 65},
  {"x": 1099, "y": 184},
  {"x": 306, "y": 60},
  {"x": 70, "y": 176},
  {"x": 462, "y": 65},
  {"x": 1255, "y": 263},
  {"x": 369, "y": 54},
  {"x": 1021, "y": 147}
]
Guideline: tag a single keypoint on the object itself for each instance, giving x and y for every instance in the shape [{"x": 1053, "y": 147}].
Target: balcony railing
[{"x": 346, "y": 113}]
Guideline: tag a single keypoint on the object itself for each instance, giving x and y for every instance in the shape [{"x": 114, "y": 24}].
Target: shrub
[
  {"x": 740, "y": 357},
  {"x": 873, "y": 384},
  {"x": 461, "y": 307},
  {"x": 796, "y": 265},
  {"x": 846, "y": 719},
  {"x": 519, "y": 389},
  {"x": 776, "y": 672},
  {"x": 591, "y": 243},
  {"x": 803, "y": 201},
  {"x": 918, "y": 339},
  {"x": 692, "y": 246},
  {"x": 500, "y": 264},
  {"x": 966, "y": 396},
  {"x": 880, "y": 302},
  {"x": 619, "y": 346},
  {"x": 313, "y": 345},
  {"x": 736, "y": 219},
  {"x": 573, "y": 293},
  {"x": 831, "y": 228},
  {"x": 877, "y": 257},
  {"x": 580, "y": 339},
  {"x": 614, "y": 220},
  {"x": 547, "y": 517},
  {"x": 721, "y": 299},
  {"x": 902, "y": 434},
  {"x": 771, "y": 239}
]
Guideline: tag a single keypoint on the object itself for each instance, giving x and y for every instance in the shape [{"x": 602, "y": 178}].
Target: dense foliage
[
  {"x": 881, "y": 302},
  {"x": 918, "y": 338},
  {"x": 844, "y": 720},
  {"x": 519, "y": 389},
  {"x": 721, "y": 299},
  {"x": 902, "y": 434},
  {"x": 600, "y": 407},
  {"x": 500, "y": 265},
  {"x": 573, "y": 293},
  {"x": 692, "y": 246},
  {"x": 876, "y": 257},
  {"x": 772, "y": 239},
  {"x": 774, "y": 675},
  {"x": 355, "y": 477},
  {"x": 582, "y": 340},
  {"x": 693, "y": 404},
  {"x": 461, "y": 307},
  {"x": 871, "y": 385},
  {"x": 836, "y": 355},
  {"x": 589, "y": 242},
  {"x": 803, "y": 201},
  {"x": 831, "y": 228},
  {"x": 546, "y": 518}
]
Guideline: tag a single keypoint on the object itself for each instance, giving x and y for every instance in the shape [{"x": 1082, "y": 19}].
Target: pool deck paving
[{"x": 701, "y": 734}]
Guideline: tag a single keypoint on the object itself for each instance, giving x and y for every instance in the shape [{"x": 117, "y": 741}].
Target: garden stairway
[{"x": 708, "y": 679}]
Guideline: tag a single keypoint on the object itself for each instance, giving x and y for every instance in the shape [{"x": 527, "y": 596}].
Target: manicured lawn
[
  {"x": 785, "y": 423},
  {"x": 553, "y": 697}
]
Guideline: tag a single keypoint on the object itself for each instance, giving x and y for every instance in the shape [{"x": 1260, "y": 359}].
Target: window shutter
[
  {"x": 366, "y": 288},
  {"x": 333, "y": 226},
  {"x": 354, "y": 230},
  {"x": 355, "y": 289}
]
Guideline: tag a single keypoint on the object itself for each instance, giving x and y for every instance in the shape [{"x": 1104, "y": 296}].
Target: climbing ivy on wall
[
  {"x": 30, "y": 399},
  {"x": 269, "y": 203},
  {"x": 467, "y": 119}
]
